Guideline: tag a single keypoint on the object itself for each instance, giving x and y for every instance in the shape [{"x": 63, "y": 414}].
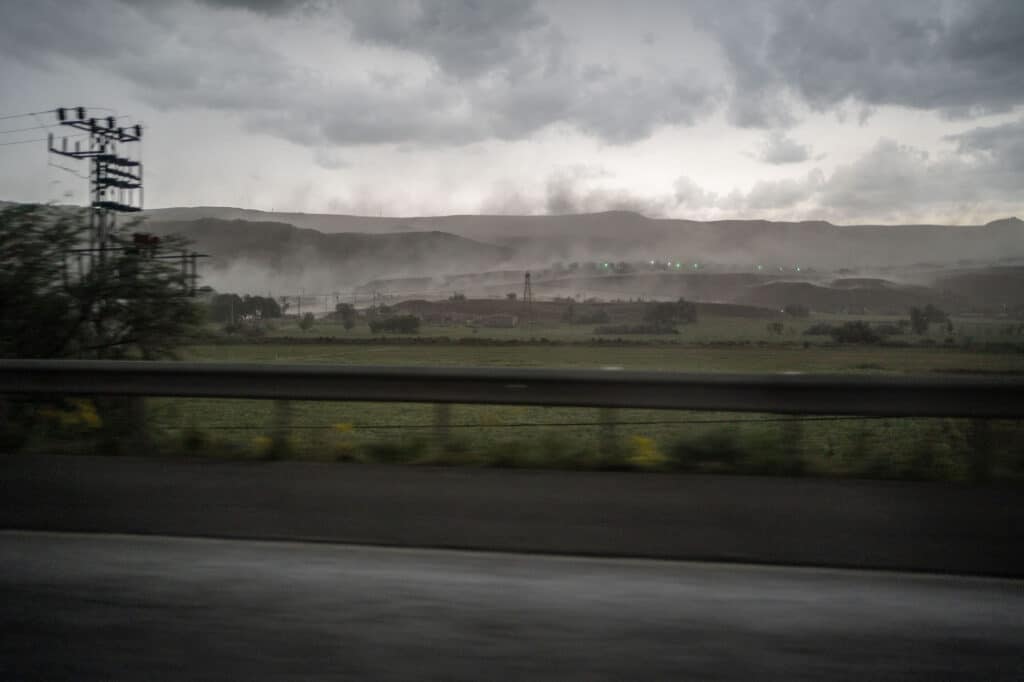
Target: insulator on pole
[
  {"x": 61, "y": 115},
  {"x": 81, "y": 113}
]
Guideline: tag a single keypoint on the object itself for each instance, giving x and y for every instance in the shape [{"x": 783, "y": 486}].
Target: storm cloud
[
  {"x": 961, "y": 58},
  {"x": 769, "y": 108}
]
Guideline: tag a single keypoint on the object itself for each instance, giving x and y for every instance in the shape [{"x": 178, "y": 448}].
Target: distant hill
[
  {"x": 622, "y": 235},
  {"x": 256, "y": 256}
]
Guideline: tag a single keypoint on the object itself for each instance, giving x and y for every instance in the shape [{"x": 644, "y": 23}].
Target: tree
[
  {"x": 59, "y": 301},
  {"x": 306, "y": 322},
  {"x": 933, "y": 314},
  {"x": 127, "y": 305},
  {"x": 855, "y": 332},
  {"x": 225, "y": 308},
  {"x": 346, "y": 313},
  {"x": 797, "y": 310},
  {"x": 918, "y": 321},
  {"x": 671, "y": 313},
  {"x": 399, "y": 324},
  {"x": 262, "y": 308},
  {"x": 922, "y": 318}
]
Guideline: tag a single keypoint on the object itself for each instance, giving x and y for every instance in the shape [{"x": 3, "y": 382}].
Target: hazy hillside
[
  {"x": 261, "y": 256},
  {"x": 620, "y": 235}
]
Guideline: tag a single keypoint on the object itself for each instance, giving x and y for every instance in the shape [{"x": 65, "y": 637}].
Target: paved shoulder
[{"x": 91, "y": 607}]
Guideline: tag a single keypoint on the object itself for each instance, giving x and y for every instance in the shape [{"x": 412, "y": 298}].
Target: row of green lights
[{"x": 760, "y": 267}]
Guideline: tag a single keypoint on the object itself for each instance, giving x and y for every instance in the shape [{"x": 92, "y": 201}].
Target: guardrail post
[
  {"x": 609, "y": 442},
  {"x": 979, "y": 436},
  {"x": 442, "y": 424},
  {"x": 138, "y": 428},
  {"x": 279, "y": 446}
]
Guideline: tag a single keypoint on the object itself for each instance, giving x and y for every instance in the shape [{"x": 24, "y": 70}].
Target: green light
[
  {"x": 678, "y": 265},
  {"x": 695, "y": 265}
]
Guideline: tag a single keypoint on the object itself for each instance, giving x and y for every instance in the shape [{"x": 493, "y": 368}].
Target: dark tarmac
[{"x": 103, "y": 607}]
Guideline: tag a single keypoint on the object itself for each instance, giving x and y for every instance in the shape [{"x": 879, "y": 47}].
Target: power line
[
  {"x": 38, "y": 139},
  {"x": 26, "y": 114},
  {"x": 69, "y": 170},
  {"x": 22, "y": 130}
]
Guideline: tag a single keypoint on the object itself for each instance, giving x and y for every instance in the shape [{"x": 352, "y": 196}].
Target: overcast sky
[{"x": 874, "y": 111}]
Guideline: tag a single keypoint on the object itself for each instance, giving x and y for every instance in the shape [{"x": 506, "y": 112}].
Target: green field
[{"x": 945, "y": 449}]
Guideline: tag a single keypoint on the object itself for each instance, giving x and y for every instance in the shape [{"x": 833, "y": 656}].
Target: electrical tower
[
  {"x": 115, "y": 183},
  {"x": 527, "y": 299}
]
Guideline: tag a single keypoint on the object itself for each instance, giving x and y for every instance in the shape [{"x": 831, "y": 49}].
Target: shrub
[
  {"x": 398, "y": 324},
  {"x": 637, "y": 329},
  {"x": 819, "y": 329},
  {"x": 682, "y": 311},
  {"x": 306, "y": 322},
  {"x": 644, "y": 454},
  {"x": 598, "y": 316},
  {"x": 889, "y": 329},
  {"x": 855, "y": 332},
  {"x": 797, "y": 310},
  {"x": 716, "y": 451}
]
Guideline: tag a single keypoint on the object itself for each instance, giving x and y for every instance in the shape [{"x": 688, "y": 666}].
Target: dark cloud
[
  {"x": 780, "y": 149},
  {"x": 961, "y": 58},
  {"x": 1001, "y": 147},
  {"x": 502, "y": 70},
  {"x": 464, "y": 37},
  {"x": 261, "y": 6}
]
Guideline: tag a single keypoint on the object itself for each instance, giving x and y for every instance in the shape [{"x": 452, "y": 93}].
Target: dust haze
[{"x": 610, "y": 255}]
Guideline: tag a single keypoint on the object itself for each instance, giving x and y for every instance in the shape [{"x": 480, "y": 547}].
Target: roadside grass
[
  {"x": 584, "y": 438},
  {"x": 566, "y": 438}
]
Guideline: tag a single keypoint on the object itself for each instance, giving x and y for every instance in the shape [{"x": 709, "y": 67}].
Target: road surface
[
  {"x": 100, "y": 607},
  {"x": 897, "y": 525}
]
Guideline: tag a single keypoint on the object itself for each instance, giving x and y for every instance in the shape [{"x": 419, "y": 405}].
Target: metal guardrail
[{"x": 896, "y": 396}]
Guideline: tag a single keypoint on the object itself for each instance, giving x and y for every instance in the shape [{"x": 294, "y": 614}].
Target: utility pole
[{"x": 528, "y": 299}]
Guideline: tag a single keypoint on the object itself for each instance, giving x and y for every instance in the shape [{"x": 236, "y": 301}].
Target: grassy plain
[
  {"x": 582, "y": 438},
  {"x": 946, "y": 449}
]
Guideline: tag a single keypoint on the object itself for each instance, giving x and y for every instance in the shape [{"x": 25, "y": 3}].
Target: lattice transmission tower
[{"x": 115, "y": 185}]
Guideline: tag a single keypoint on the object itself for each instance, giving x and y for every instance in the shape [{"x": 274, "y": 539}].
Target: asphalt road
[
  {"x": 932, "y": 527},
  {"x": 101, "y": 607}
]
